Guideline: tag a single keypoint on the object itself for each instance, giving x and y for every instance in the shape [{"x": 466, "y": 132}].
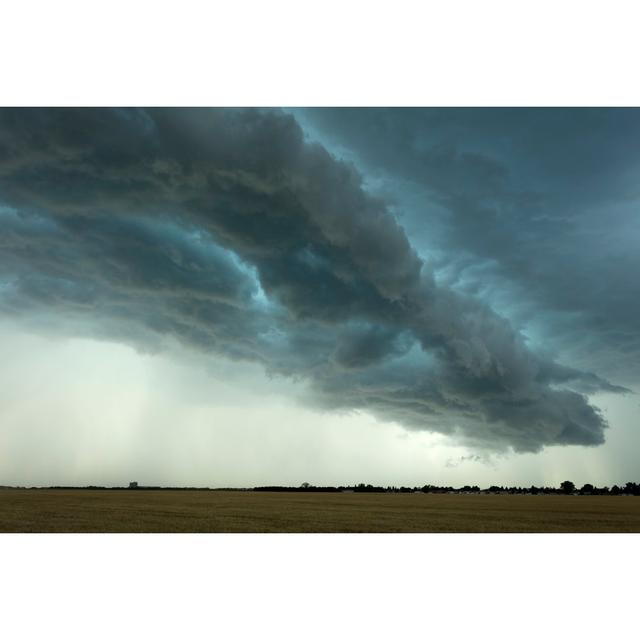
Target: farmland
[{"x": 111, "y": 511}]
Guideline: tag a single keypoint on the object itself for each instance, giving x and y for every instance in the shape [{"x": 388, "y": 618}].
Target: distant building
[{"x": 133, "y": 485}]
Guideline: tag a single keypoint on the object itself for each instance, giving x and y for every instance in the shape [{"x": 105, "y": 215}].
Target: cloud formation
[
  {"x": 532, "y": 210},
  {"x": 229, "y": 231}
]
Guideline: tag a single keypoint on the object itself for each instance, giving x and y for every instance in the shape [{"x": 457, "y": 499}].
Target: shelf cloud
[{"x": 234, "y": 232}]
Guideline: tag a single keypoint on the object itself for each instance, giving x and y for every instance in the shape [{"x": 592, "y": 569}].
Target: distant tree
[
  {"x": 305, "y": 485},
  {"x": 568, "y": 487},
  {"x": 615, "y": 490},
  {"x": 587, "y": 488}
]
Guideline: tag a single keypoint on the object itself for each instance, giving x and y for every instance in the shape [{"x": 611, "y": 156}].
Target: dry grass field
[{"x": 105, "y": 511}]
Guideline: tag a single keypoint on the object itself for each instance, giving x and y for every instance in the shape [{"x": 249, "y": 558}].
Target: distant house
[{"x": 133, "y": 485}]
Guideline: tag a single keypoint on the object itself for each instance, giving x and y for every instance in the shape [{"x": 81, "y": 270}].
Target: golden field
[{"x": 124, "y": 511}]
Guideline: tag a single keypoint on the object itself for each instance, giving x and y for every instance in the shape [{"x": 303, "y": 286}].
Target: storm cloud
[
  {"x": 535, "y": 211},
  {"x": 230, "y": 231}
]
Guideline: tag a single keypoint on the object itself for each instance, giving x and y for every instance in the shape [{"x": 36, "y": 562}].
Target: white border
[
  {"x": 318, "y": 586},
  {"x": 335, "y": 52}
]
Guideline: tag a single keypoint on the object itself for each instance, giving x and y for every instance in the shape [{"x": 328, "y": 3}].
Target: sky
[{"x": 237, "y": 297}]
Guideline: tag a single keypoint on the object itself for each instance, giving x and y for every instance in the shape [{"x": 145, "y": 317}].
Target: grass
[{"x": 44, "y": 511}]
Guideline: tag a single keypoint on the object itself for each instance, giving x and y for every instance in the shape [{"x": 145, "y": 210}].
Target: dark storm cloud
[
  {"x": 226, "y": 230},
  {"x": 540, "y": 203}
]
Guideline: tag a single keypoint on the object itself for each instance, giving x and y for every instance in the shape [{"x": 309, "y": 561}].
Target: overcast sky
[{"x": 240, "y": 297}]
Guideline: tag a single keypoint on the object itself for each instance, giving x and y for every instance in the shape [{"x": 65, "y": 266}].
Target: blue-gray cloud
[
  {"x": 230, "y": 232},
  {"x": 532, "y": 210}
]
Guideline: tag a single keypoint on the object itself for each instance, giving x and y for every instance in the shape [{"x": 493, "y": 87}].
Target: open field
[{"x": 38, "y": 510}]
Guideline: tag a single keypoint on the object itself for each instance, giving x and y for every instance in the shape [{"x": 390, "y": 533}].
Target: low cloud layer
[{"x": 229, "y": 231}]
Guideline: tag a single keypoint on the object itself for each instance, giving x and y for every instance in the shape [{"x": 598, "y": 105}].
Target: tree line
[{"x": 566, "y": 488}]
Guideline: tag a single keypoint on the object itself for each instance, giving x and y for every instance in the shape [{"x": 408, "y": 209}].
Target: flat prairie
[{"x": 170, "y": 511}]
